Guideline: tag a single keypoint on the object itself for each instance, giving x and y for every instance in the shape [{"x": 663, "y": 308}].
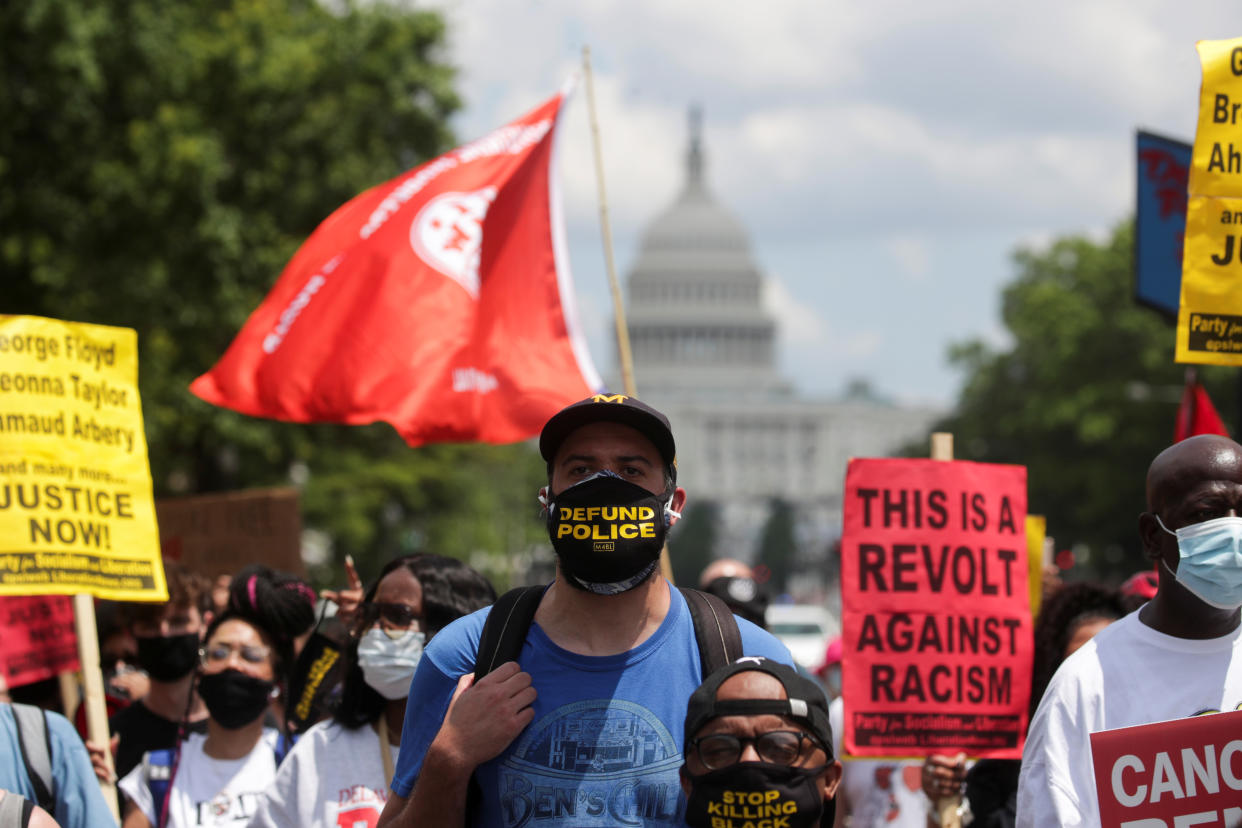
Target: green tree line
[
  {"x": 161, "y": 162},
  {"x": 1084, "y": 395}
]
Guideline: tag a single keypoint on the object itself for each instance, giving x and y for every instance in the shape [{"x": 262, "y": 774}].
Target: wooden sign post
[
  {"x": 92, "y": 680},
  {"x": 949, "y": 808}
]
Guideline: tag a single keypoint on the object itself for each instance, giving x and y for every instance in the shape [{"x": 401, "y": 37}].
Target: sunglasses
[
  {"x": 393, "y": 616},
  {"x": 780, "y": 747}
]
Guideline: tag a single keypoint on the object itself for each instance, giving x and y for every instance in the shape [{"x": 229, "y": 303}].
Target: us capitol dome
[{"x": 704, "y": 352}]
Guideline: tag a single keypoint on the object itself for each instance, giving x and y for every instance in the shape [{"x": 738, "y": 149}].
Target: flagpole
[{"x": 623, "y": 334}]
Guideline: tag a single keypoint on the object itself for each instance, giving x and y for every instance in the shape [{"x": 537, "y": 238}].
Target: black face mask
[
  {"x": 168, "y": 658},
  {"x": 233, "y": 698},
  {"x": 607, "y": 533},
  {"x": 750, "y": 792}
]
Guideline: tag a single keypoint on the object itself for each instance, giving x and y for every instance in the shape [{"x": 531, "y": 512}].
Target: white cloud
[
  {"x": 912, "y": 256},
  {"x": 798, "y": 322},
  {"x": 911, "y": 129},
  {"x": 862, "y": 344}
]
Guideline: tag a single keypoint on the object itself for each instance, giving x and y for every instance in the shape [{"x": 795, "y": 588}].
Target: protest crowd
[
  {"x": 608, "y": 696},
  {"x": 972, "y": 682}
]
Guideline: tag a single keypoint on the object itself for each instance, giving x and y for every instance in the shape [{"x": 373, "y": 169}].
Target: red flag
[
  {"x": 1196, "y": 414},
  {"x": 440, "y": 301}
]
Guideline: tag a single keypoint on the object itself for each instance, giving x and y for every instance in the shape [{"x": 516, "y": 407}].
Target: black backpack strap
[
  {"x": 36, "y": 747},
  {"x": 503, "y": 634},
  {"x": 505, "y": 628},
  {"x": 715, "y": 630}
]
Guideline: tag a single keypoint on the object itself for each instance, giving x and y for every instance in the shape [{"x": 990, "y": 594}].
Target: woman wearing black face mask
[{"x": 217, "y": 779}]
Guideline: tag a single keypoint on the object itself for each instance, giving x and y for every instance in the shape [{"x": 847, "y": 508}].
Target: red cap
[
  {"x": 1142, "y": 583},
  {"x": 832, "y": 656}
]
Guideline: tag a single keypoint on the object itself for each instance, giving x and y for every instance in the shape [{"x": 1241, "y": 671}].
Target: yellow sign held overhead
[
  {"x": 1209, "y": 322},
  {"x": 76, "y": 510}
]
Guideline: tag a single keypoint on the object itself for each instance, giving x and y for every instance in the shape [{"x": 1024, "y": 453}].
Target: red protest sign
[
  {"x": 936, "y": 619},
  {"x": 38, "y": 640},
  {"x": 1183, "y": 772}
]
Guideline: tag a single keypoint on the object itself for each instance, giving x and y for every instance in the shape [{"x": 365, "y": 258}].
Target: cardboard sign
[
  {"x": 1209, "y": 321},
  {"x": 936, "y": 622},
  {"x": 1171, "y": 774},
  {"x": 76, "y": 512},
  {"x": 38, "y": 640},
  {"x": 218, "y": 534}
]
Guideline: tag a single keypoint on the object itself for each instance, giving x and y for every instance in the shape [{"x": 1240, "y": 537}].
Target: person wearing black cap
[
  {"x": 758, "y": 749},
  {"x": 605, "y": 668}
]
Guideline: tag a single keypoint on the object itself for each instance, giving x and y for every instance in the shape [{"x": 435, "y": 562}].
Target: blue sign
[{"x": 1160, "y": 220}]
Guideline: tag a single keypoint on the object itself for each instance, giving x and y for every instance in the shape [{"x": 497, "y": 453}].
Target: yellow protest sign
[
  {"x": 1209, "y": 322},
  {"x": 76, "y": 511}
]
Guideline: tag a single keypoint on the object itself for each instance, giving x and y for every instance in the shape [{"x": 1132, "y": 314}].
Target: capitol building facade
[{"x": 704, "y": 353}]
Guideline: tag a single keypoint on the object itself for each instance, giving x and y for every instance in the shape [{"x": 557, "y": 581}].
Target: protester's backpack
[
  {"x": 36, "y": 747},
  {"x": 715, "y": 629},
  {"x": 160, "y": 768}
]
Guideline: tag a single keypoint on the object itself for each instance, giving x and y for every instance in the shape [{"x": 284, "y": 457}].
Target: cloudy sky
[{"x": 886, "y": 157}]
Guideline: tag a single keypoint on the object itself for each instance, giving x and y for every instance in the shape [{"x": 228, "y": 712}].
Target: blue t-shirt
[
  {"x": 605, "y": 745},
  {"x": 79, "y": 801}
]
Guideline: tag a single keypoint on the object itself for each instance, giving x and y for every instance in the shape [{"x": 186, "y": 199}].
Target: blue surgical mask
[{"x": 1211, "y": 560}]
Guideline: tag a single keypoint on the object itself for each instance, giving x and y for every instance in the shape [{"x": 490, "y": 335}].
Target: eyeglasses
[
  {"x": 394, "y": 616},
  {"x": 780, "y": 747},
  {"x": 250, "y": 653}
]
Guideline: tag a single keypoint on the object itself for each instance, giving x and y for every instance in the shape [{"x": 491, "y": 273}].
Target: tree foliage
[
  {"x": 160, "y": 163},
  {"x": 692, "y": 542},
  {"x": 778, "y": 544},
  {"x": 1085, "y": 396}
]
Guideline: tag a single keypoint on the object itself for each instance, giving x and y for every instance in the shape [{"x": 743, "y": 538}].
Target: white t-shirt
[
  {"x": 878, "y": 793},
  {"x": 334, "y": 776},
  {"x": 206, "y": 791},
  {"x": 1127, "y": 675}
]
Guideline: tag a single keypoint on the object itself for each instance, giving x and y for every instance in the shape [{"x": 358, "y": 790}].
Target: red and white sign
[
  {"x": 440, "y": 301},
  {"x": 936, "y": 624},
  {"x": 39, "y": 640},
  {"x": 1177, "y": 774}
]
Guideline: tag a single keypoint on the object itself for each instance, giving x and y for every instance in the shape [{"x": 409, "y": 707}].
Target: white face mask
[{"x": 388, "y": 663}]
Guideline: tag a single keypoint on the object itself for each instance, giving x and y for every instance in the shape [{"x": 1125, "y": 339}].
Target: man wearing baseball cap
[
  {"x": 584, "y": 729},
  {"x": 758, "y": 749}
]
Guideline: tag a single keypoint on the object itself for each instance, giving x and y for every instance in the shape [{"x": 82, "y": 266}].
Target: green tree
[
  {"x": 778, "y": 545},
  {"x": 160, "y": 163},
  {"x": 692, "y": 542},
  {"x": 1084, "y": 397},
  {"x": 476, "y": 503}
]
